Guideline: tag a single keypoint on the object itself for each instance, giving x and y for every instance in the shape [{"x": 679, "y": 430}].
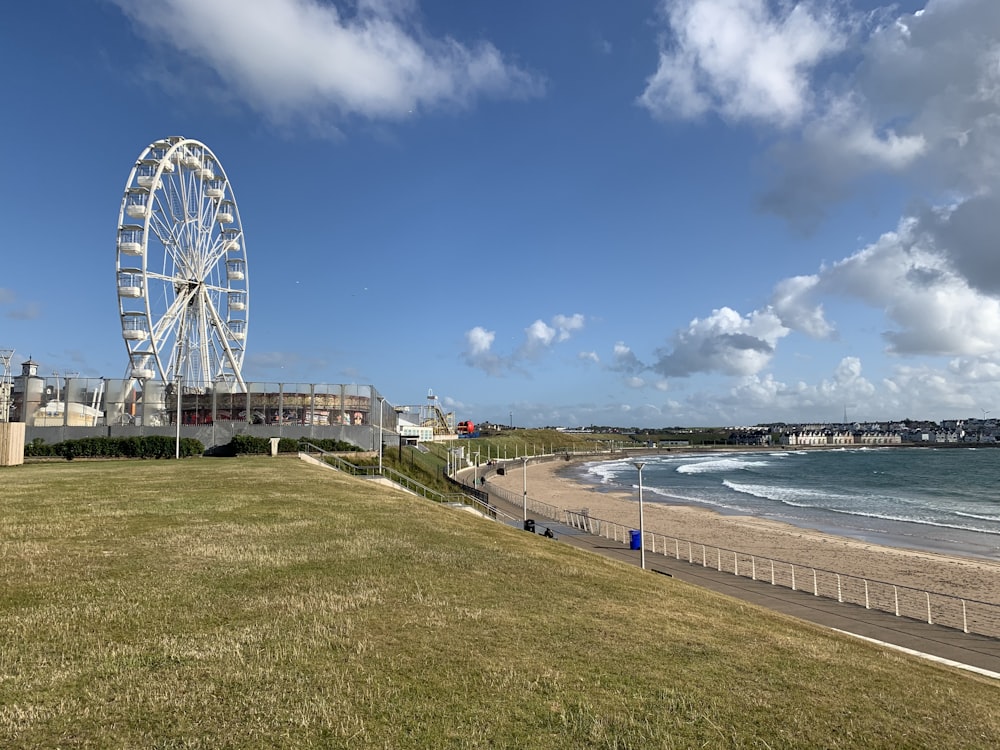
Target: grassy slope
[{"x": 263, "y": 603}]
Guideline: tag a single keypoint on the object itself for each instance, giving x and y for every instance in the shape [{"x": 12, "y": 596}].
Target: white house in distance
[
  {"x": 839, "y": 437},
  {"x": 423, "y": 434}
]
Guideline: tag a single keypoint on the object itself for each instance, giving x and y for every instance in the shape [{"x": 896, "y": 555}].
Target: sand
[{"x": 966, "y": 578}]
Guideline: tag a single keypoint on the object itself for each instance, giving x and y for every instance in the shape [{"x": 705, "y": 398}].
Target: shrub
[
  {"x": 251, "y": 445},
  {"x": 150, "y": 446}
]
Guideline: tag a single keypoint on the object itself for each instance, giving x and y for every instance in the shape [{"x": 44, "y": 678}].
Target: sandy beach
[{"x": 968, "y": 578}]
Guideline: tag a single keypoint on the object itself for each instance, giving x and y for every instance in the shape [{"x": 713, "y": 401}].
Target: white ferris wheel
[{"x": 183, "y": 290}]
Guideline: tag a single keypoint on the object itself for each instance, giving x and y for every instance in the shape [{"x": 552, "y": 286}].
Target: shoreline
[{"x": 951, "y": 574}]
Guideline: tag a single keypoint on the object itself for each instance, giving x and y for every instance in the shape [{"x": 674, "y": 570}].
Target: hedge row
[
  {"x": 162, "y": 446},
  {"x": 149, "y": 446},
  {"x": 248, "y": 444}
]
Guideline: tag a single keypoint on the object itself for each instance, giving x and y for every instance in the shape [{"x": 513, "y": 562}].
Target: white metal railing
[
  {"x": 968, "y": 615},
  {"x": 408, "y": 483}
]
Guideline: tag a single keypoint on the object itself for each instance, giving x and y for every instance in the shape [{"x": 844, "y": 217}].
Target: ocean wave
[
  {"x": 721, "y": 464},
  {"x": 713, "y": 501},
  {"x": 794, "y": 496},
  {"x": 606, "y": 472},
  {"x": 917, "y": 521},
  {"x": 978, "y": 517},
  {"x": 826, "y": 501}
]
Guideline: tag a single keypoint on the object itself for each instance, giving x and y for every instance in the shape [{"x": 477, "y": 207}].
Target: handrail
[{"x": 408, "y": 483}]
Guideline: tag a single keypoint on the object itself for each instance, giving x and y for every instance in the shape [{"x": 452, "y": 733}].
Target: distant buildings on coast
[{"x": 951, "y": 431}]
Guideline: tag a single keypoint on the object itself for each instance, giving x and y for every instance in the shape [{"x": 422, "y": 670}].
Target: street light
[
  {"x": 177, "y": 442},
  {"x": 475, "y": 474},
  {"x": 524, "y": 470},
  {"x": 642, "y": 529},
  {"x": 381, "y": 402}
]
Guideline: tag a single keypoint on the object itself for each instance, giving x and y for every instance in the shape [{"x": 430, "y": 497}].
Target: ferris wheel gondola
[{"x": 183, "y": 288}]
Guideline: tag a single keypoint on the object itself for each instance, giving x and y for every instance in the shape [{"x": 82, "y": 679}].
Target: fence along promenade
[{"x": 967, "y": 615}]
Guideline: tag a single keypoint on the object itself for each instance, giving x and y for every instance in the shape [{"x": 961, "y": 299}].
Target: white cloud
[
  {"x": 792, "y": 302},
  {"x": 963, "y": 388},
  {"x": 568, "y": 324},
  {"x": 539, "y": 338},
  {"x": 913, "y": 94},
  {"x": 480, "y": 340},
  {"x": 934, "y": 278},
  {"x": 908, "y": 94},
  {"x": 589, "y": 357},
  {"x": 924, "y": 91},
  {"x": 305, "y": 59},
  {"x": 724, "y": 342},
  {"x": 769, "y": 399},
  {"x": 746, "y": 59},
  {"x": 624, "y": 359},
  {"x": 478, "y": 350}
]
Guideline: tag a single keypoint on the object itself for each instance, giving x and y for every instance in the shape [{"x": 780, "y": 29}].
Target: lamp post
[
  {"x": 475, "y": 474},
  {"x": 177, "y": 443},
  {"x": 642, "y": 529},
  {"x": 381, "y": 402},
  {"x": 524, "y": 470}
]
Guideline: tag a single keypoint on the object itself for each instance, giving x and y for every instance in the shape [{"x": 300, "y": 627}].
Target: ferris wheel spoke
[
  {"x": 169, "y": 322},
  {"x": 165, "y": 277},
  {"x": 166, "y": 236},
  {"x": 233, "y": 355}
]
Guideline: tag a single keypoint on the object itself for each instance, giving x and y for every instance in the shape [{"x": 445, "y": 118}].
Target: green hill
[{"x": 265, "y": 603}]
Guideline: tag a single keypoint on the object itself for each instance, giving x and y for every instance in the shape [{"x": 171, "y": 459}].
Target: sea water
[{"x": 937, "y": 499}]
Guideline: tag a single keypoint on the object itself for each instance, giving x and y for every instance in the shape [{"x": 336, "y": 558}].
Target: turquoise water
[{"x": 939, "y": 499}]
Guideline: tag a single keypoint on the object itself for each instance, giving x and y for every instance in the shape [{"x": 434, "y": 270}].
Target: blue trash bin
[{"x": 635, "y": 539}]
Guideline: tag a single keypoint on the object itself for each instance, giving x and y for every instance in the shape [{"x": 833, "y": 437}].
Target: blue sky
[{"x": 667, "y": 212}]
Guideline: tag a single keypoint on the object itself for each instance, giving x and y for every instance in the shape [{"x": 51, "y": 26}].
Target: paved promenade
[{"x": 968, "y": 651}]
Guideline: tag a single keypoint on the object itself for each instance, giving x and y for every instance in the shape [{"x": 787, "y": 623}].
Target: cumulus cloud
[
  {"x": 746, "y": 59},
  {"x": 793, "y": 302},
  {"x": 306, "y": 59},
  {"x": 921, "y": 100},
  {"x": 921, "y": 283},
  {"x": 624, "y": 359},
  {"x": 915, "y": 95},
  {"x": 724, "y": 342},
  {"x": 478, "y": 350},
  {"x": 773, "y": 399},
  {"x": 567, "y": 325},
  {"x": 912, "y": 94},
  {"x": 539, "y": 338}
]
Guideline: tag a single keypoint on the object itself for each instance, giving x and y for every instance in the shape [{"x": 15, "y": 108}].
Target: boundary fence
[
  {"x": 967, "y": 615},
  {"x": 478, "y": 500}
]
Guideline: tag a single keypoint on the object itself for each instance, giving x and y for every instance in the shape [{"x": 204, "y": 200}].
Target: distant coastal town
[
  {"x": 950, "y": 431},
  {"x": 816, "y": 434}
]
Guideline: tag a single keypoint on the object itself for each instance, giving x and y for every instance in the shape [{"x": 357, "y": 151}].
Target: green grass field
[{"x": 266, "y": 603}]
